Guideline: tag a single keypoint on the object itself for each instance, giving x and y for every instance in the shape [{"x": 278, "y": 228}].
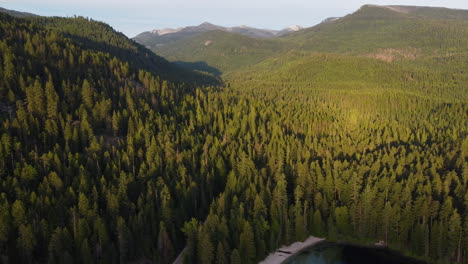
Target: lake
[{"x": 338, "y": 253}]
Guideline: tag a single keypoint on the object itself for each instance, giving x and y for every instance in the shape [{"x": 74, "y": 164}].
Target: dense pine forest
[{"x": 111, "y": 154}]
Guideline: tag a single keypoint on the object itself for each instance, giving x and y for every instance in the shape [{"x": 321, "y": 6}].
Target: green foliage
[
  {"x": 106, "y": 159},
  {"x": 235, "y": 257},
  {"x": 388, "y": 33},
  {"x": 222, "y": 50},
  {"x": 247, "y": 245},
  {"x": 205, "y": 248},
  {"x": 374, "y": 28}
]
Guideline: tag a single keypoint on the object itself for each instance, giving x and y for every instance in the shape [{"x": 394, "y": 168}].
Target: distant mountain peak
[
  {"x": 330, "y": 19},
  {"x": 294, "y": 28},
  {"x": 242, "y": 29},
  {"x": 165, "y": 31},
  {"x": 285, "y": 31},
  {"x": 397, "y": 8},
  {"x": 206, "y": 24},
  {"x": 159, "y": 37},
  {"x": 16, "y": 13}
]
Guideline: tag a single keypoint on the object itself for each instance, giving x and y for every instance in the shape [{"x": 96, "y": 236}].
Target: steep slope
[
  {"x": 101, "y": 37},
  {"x": 102, "y": 161},
  {"x": 376, "y": 27},
  {"x": 387, "y": 33},
  {"x": 223, "y": 51},
  {"x": 80, "y": 101},
  {"x": 253, "y": 32},
  {"x": 157, "y": 38},
  {"x": 441, "y": 79},
  {"x": 400, "y": 48},
  {"x": 16, "y": 13},
  {"x": 431, "y": 12}
]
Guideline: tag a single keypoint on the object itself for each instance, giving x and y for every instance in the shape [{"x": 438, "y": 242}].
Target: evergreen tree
[
  {"x": 235, "y": 257},
  {"x": 205, "y": 248},
  {"x": 247, "y": 244}
]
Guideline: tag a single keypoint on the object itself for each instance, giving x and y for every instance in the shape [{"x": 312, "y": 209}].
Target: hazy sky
[{"x": 134, "y": 16}]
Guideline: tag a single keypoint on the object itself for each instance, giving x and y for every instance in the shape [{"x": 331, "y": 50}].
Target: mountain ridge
[
  {"x": 433, "y": 12},
  {"x": 354, "y": 130},
  {"x": 236, "y": 29},
  {"x": 157, "y": 38},
  {"x": 374, "y": 31},
  {"x": 15, "y": 13}
]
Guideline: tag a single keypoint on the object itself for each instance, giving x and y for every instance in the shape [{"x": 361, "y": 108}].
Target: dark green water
[{"x": 335, "y": 253}]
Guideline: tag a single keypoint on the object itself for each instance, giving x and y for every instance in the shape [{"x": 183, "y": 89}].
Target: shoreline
[{"x": 285, "y": 252}]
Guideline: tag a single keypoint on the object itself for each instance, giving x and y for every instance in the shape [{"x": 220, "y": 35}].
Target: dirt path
[
  {"x": 283, "y": 253},
  {"x": 180, "y": 257}
]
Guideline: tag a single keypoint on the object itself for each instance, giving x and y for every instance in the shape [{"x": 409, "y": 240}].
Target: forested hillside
[
  {"x": 348, "y": 149},
  {"x": 80, "y": 105},
  {"x": 222, "y": 50},
  {"x": 355, "y": 129},
  {"x": 385, "y": 32},
  {"x": 16, "y": 13},
  {"x": 157, "y": 38},
  {"x": 111, "y": 154},
  {"x": 373, "y": 28}
]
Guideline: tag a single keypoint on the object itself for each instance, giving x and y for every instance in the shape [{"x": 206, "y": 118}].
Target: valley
[{"x": 226, "y": 146}]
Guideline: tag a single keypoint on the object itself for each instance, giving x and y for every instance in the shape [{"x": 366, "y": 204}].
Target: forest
[{"x": 112, "y": 154}]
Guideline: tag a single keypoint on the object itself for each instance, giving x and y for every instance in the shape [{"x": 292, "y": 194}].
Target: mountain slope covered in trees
[
  {"x": 16, "y": 13},
  {"x": 358, "y": 80},
  {"x": 75, "y": 98},
  {"x": 385, "y": 31},
  {"x": 222, "y": 50},
  {"x": 378, "y": 27},
  {"x": 162, "y": 37},
  {"x": 111, "y": 154}
]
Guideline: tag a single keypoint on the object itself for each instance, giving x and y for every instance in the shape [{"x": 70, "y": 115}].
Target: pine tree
[
  {"x": 5, "y": 220},
  {"x": 51, "y": 99},
  {"x": 35, "y": 98},
  {"x": 247, "y": 244},
  {"x": 342, "y": 220},
  {"x": 26, "y": 242},
  {"x": 279, "y": 208},
  {"x": 455, "y": 233},
  {"x": 205, "y": 248},
  {"x": 87, "y": 92},
  {"x": 220, "y": 254},
  {"x": 317, "y": 224},
  {"x": 165, "y": 248},
  {"x": 8, "y": 67},
  {"x": 56, "y": 247},
  {"x": 235, "y": 257},
  {"x": 123, "y": 239},
  {"x": 85, "y": 252},
  {"x": 18, "y": 212},
  {"x": 190, "y": 230}
]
